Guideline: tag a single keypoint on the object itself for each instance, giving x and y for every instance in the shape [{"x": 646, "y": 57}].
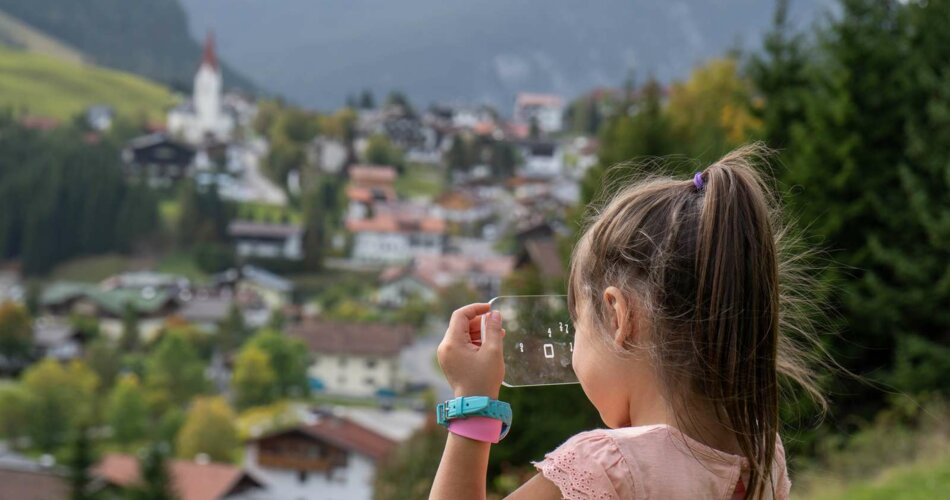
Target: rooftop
[
  {"x": 366, "y": 339},
  {"x": 343, "y": 433},
  {"x": 396, "y": 223},
  {"x": 372, "y": 174},
  {"x": 191, "y": 480},
  {"x": 250, "y": 229},
  {"x": 145, "y": 301},
  {"x": 22, "y": 478},
  {"x": 529, "y": 99}
]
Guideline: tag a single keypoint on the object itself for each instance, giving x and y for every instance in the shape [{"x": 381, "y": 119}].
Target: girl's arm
[
  {"x": 462, "y": 471},
  {"x": 474, "y": 366}
]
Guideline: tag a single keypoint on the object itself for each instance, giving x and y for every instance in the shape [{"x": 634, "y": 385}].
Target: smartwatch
[{"x": 463, "y": 407}]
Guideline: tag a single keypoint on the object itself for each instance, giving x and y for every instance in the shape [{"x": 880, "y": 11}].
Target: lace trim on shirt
[{"x": 575, "y": 483}]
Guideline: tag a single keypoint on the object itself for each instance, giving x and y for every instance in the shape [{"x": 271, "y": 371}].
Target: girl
[{"x": 674, "y": 291}]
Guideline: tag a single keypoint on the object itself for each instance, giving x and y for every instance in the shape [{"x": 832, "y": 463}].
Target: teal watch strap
[{"x": 474, "y": 406}]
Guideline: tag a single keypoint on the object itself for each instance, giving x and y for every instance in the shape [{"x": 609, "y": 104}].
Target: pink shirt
[{"x": 651, "y": 461}]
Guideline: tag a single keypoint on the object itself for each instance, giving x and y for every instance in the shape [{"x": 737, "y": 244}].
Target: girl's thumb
[{"x": 492, "y": 332}]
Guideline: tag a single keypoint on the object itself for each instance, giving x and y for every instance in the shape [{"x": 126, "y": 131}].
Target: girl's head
[{"x": 675, "y": 289}]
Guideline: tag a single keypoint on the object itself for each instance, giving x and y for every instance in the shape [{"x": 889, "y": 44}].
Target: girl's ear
[{"x": 619, "y": 315}]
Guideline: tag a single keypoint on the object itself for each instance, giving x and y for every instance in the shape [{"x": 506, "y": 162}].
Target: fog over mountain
[{"x": 315, "y": 52}]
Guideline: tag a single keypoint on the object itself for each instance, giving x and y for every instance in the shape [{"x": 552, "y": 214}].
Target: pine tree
[
  {"x": 912, "y": 260},
  {"x": 315, "y": 235},
  {"x": 640, "y": 130},
  {"x": 80, "y": 461},
  {"x": 845, "y": 171},
  {"x": 130, "y": 329},
  {"x": 156, "y": 483},
  {"x": 232, "y": 332},
  {"x": 780, "y": 79}
]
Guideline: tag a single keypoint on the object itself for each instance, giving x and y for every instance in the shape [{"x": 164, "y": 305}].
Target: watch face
[{"x": 539, "y": 339}]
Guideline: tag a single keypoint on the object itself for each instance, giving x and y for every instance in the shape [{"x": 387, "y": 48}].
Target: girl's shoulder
[
  {"x": 588, "y": 465},
  {"x": 653, "y": 461}
]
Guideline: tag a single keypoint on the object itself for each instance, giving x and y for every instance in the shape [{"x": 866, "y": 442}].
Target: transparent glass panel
[{"x": 539, "y": 339}]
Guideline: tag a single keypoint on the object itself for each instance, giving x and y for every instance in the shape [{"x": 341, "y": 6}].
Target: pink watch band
[{"x": 478, "y": 428}]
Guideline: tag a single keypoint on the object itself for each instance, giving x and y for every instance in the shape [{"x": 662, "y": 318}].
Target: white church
[{"x": 204, "y": 116}]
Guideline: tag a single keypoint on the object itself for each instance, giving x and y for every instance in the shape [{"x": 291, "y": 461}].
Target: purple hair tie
[{"x": 698, "y": 181}]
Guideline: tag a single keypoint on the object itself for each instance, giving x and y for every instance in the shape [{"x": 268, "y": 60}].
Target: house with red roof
[
  {"x": 396, "y": 232},
  {"x": 331, "y": 458},
  {"x": 191, "y": 480},
  {"x": 369, "y": 184},
  {"x": 547, "y": 110}
]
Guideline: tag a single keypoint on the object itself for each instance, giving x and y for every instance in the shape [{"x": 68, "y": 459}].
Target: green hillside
[
  {"x": 47, "y": 86},
  {"x": 146, "y": 38}
]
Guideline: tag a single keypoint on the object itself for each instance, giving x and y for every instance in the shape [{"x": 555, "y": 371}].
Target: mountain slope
[
  {"x": 487, "y": 50},
  {"x": 16, "y": 33},
  {"x": 48, "y": 86},
  {"x": 149, "y": 38}
]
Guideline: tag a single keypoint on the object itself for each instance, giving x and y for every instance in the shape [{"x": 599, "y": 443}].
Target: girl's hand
[{"x": 473, "y": 363}]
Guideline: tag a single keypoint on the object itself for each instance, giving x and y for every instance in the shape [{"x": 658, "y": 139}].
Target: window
[
  {"x": 369, "y": 381},
  {"x": 371, "y": 363},
  {"x": 302, "y": 476},
  {"x": 342, "y": 361}
]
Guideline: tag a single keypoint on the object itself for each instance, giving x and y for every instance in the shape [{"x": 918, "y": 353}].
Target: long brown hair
[{"x": 714, "y": 267}]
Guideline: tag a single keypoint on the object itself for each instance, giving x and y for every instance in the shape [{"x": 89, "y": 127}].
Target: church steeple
[{"x": 210, "y": 57}]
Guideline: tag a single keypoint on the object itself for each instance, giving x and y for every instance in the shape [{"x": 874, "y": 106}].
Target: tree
[
  {"x": 209, "y": 429},
  {"x": 504, "y": 159},
  {"x": 80, "y": 461},
  {"x": 781, "y": 82},
  {"x": 156, "y": 483},
  {"x": 16, "y": 331},
  {"x": 130, "y": 328},
  {"x": 398, "y": 100},
  {"x": 846, "y": 159},
  {"x": 203, "y": 216},
  {"x": 381, "y": 151},
  {"x": 288, "y": 357},
  {"x": 173, "y": 371},
  {"x": 59, "y": 180},
  {"x": 60, "y": 399},
  {"x": 641, "y": 130},
  {"x": 105, "y": 360},
  {"x": 255, "y": 382},
  {"x": 232, "y": 332},
  {"x": 409, "y": 471},
  {"x": 14, "y": 412},
  {"x": 315, "y": 235},
  {"x": 127, "y": 411},
  {"x": 911, "y": 257},
  {"x": 709, "y": 112},
  {"x": 366, "y": 99},
  {"x": 457, "y": 157}
]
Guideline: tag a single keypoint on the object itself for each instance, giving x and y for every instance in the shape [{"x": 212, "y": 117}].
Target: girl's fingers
[
  {"x": 460, "y": 323},
  {"x": 475, "y": 329}
]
